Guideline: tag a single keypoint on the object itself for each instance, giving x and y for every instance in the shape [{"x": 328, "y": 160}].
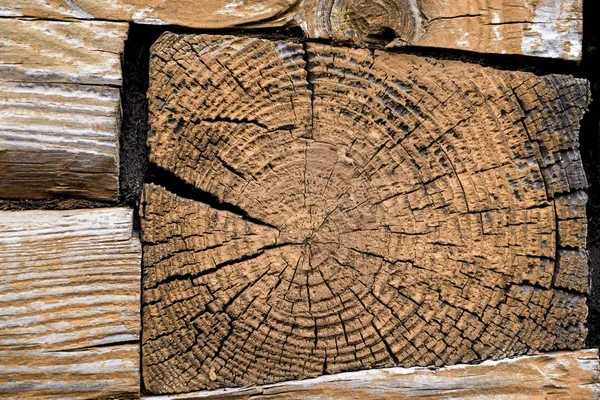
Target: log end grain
[{"x": 325, "y": 209}]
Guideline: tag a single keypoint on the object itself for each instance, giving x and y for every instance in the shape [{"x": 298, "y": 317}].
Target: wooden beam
[
  {"x": 102, "y": 373},
  {"x": 547, "y": 28},
  {"x": 552, "y": 29},
  {"x": 58, "y": 140},
  {"x": 85, "y": 52},
  {"x": 198, "y": 14},
  {"x": 60, "y": 108},
  {"x": 558, "y": 376},
  {"x": 69, "y": 304},
  {"x": 320, "y": 209}
]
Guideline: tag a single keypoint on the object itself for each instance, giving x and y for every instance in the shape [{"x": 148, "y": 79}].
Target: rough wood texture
[
  {"x": 192, "y": 13},
  {"x": 559, "y": 376},
  {"x": 328, "y": 209},
  {"x": 60, "y": 108},
  {"x": 87, "y": 52},
  {"x": 545, "y": 28},
  {"x": 69, "y": 304}
]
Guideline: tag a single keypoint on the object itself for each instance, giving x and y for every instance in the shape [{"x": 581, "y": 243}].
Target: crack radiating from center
[{"x": 174, "y": 184}]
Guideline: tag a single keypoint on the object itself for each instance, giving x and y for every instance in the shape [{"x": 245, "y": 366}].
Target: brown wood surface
[
  {"x": 545, "y": 28},
  {"x": 60, "y": 108},
  {"x": 193, "y": 13},
  {"x": 69, "y": 304},
  {"x": 326, "y": 209},
  {"x": 559, "y": 376},
  {"x": 86, "y": 52}
]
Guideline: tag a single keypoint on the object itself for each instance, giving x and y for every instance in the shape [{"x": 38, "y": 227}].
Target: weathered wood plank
[
  {"x": 58, "y": 139},
  {"x": 69, "y": 303},
  {"x": 87, "y": 52},
  {"x": 544, "y": 28},
  {"x": 559, "y": 376},
  {"x": 103, "y": 373},
  {"x": 319, "y": 209},
  {"x": 60, "y": 108},
  {"x": 198, "y": 14}
]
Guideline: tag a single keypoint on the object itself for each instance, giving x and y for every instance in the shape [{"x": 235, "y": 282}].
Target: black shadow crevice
[
  {"x": 589, "y": 138},
  {"x": 174, "y": 184}
]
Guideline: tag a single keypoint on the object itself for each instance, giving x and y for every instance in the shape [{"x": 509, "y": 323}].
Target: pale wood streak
[{"x": 559, "y": 376}]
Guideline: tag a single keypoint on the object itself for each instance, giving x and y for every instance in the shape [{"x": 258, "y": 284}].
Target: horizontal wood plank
[
  {"x": 539, "y": 28},
  {"x": 563, "y": 375},
  {"x": 58, "y": 139},
  {"x": 69, "y": 303},
  {"x": 106, "y": 373},
  {"x": 86, "y": 52},
  {"x": 199, "y": 14},
  {"x": 60, "y": 108}
]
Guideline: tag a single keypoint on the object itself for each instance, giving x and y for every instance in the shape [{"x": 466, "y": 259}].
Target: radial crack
[{"x": 174, "y": 184}]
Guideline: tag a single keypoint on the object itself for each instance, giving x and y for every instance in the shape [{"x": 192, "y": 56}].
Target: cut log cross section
[{"x": 319, "y": 209}]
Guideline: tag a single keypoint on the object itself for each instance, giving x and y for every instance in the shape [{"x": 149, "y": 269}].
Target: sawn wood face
[{"x": 322, "y": 209}]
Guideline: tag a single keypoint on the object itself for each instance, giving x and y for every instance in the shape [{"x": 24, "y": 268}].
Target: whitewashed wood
[
  {"x": 563, "y": 375},
  {"x": 69, "y": 303},
  {"x": 543, "y": 28},
  {"x": 60, "y": 108}
]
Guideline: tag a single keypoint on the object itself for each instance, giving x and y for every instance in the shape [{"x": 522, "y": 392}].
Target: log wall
[{"x": 370, "y": 222}]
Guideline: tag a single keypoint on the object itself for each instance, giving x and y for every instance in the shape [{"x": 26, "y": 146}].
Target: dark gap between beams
[{"x": 589, "y": 137}]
